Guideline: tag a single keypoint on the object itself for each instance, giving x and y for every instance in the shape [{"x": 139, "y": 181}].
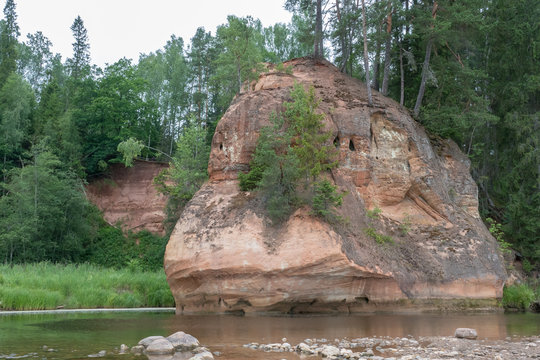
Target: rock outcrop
[
  {"x": 129, "y": 198},
  {"x": 225, "y": 256}
]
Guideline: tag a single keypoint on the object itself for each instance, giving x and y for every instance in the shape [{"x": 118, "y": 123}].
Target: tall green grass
[
  {"x": 47, "y": 286},
  {"x": 518, "y": 297}
]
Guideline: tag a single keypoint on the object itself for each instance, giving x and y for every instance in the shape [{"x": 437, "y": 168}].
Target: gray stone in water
[
  {"x": 137, "y": 349},
  {"x": 182, "y": 341},
  {"x": 160, "y": 347},
  {"x": 330, "y": 351},
  {"x": 466, "y": 333},
  {"x": 205, "y": 355},
  {"x": 148, "y": 340},
  {"x": 123, "y": 349},
  {"x": 102, "y": 353}
]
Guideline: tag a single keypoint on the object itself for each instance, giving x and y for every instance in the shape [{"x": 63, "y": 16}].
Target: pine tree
[
  {"x": 8, "y": 42},
  {"x": 80, "y": 62}
]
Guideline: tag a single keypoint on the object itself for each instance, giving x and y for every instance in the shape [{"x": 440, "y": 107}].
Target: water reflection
[{"x": 79, "y": 335}]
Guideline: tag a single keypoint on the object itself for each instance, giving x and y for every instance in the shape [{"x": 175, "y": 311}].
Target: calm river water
[{"x": 75, "y": 336}]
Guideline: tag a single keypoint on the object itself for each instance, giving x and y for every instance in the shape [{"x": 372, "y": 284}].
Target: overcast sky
[{"x": 126, "y": 28}]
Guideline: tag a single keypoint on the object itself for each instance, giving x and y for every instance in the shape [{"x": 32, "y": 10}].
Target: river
[{"x": 75, "y": 336}]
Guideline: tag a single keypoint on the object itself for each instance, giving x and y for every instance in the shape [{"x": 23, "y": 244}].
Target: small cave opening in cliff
[
  {"x": 336, "y": 142},
  {"x": 239, "y": 312},
  {"x": 220, "y": 146},
  {"x": 362, "y": 299},
  {"x": 351, "y": 145}
]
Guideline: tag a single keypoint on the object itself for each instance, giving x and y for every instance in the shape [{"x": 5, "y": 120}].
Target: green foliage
[
  {"x": 250, "y": 180},
  {"x": 309, "y": 139},
  {"x": 46, "y": 286},
  {"x": 325, "y": 200},
  {"x": 187, "y": 172},
  {"x": 130, "y": 149},
  {"x": 280, "y": 67},
  {"x": 9, "y": 32},
  {"x": 111, "y": 110},
  {"x": 373, "y": 213},
  {"x": 16, "y": 107},
  {"x": 290, "y": 155},
  {"x": 496, "y": 230},
  {"x": 142, "y": 251},
  {"x": 405, "y": 225},
  {"x": 44, "y": 214},
  {"x": 79, "y": 64},
  {"x": 517, "y": 297},
  {"x": 527, "y": 266},
  {"x": 379, "y": 238},
  {"x": 241, "y": 58},
  {"x": 188, "y": 169}
]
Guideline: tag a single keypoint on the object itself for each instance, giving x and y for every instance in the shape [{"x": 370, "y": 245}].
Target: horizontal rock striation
[
  {"x": 129, "y": 198},
  {"x": 225, "y": 256}
]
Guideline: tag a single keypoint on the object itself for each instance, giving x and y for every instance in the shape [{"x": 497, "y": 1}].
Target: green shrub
[
  {"x": 141, "y": 251},
  {"x": 325, "y": 200},
  {"x": 496, "y": 230},
  {"x": 527, "y": 266},
  {"x": 405, "y": 225},
  {"x": 289, "y": 158},
  {"x": 250, "y": 180},
  {"x": 374, "y": 213},
  {"x": 379, "y": 238},
  {"x": 518, "y": 297}
]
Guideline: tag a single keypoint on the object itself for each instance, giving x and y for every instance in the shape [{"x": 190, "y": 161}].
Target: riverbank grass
[
  {"x": 46, "y": 286},
  {"x": 519, "y": 296}
]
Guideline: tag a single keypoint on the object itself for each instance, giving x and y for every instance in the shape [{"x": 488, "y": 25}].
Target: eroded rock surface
[
  {"x": 130, "y": 198},
  {"x": 225, "y": 256}
]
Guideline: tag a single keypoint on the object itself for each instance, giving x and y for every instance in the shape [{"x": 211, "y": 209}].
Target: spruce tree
[
  {"x": 8, "y": 42},
  {"x": 80, "y": 62}
]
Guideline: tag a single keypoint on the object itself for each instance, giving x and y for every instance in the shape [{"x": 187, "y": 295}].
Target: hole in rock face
[
  {"x": 220, "y": 146},
  {"x": 362, "y": 299},
  {"x": 236, "y": 312},
  {"x": 336, "y": 142},
  {"x": 351, "y": 145}
]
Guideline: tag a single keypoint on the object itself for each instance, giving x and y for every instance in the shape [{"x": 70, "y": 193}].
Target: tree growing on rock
[{"x": 290, "y": 157}]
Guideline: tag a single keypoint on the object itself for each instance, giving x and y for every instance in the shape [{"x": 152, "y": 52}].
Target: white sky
[{"x": 127, "y": 28}]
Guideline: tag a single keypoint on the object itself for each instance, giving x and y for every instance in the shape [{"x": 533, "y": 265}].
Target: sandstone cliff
[
  {"x": 128, "y": 197},
  {"x": 224, "y": 255}
]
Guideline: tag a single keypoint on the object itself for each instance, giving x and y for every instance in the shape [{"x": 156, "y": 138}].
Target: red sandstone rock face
[
  {"x": 224, "y": 256},
  {"x": 129, "y": 197}
]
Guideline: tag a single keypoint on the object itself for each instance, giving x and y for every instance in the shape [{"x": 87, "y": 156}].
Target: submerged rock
[{"x": 225, "y": 256}]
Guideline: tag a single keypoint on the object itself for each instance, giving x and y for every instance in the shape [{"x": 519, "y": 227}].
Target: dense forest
[{"x": 469, "y": 71}]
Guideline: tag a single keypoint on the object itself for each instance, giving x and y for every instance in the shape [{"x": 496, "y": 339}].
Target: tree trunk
[
  {"x": 366, "y": 60},
  {"x": 402, "y": 78},
  {"x": 342, "y": 41},
  {"x": 425, "y": 67},
  {"x": 377, "y": 61},
  {"x": 318, "y": 45},
  {"x": 425, "y": 70},
  {"x": 239, "y": 76},
  {"x": 387, "y": 50}
]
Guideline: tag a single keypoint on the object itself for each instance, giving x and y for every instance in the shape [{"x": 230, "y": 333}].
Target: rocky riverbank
[{"x": 409, "y": 348}]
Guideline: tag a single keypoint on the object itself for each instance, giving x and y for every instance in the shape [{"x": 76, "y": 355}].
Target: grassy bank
[
  {"x": 520, "y": 296},
  {"x": 48, "y": 286}
]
